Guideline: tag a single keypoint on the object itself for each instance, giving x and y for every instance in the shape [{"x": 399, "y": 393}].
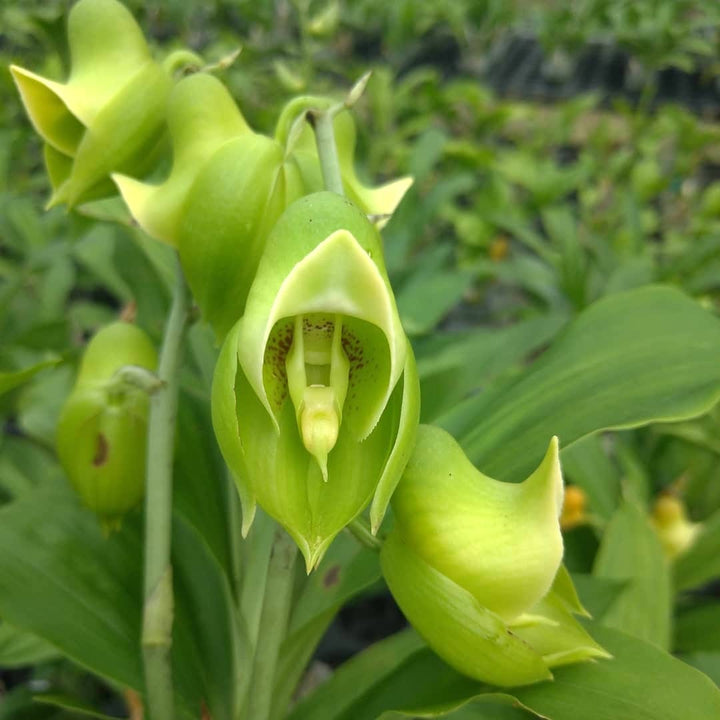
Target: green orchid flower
[
  {"x": 475, "y": 565},
  {"x": 109, "y": 114},
  {"x": 315, "y": 397},
  {"x": 299, "y": 141},
  {"x": 227, "y": 187},
  {"x": 101, "y": 433}
]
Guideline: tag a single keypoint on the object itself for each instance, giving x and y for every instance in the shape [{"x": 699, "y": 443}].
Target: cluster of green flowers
[{"x": 315, "y": 400}]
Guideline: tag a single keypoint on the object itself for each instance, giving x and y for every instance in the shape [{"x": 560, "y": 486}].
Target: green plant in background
[{"x": 314, "y": 395}]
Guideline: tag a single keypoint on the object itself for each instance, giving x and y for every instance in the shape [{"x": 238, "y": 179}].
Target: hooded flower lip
[
  {"x": 337, "y": 277},
  {"x": 108, "y": 115},
  {"x": 315, "y": 397},
  {"x": 475, "y": 565}
]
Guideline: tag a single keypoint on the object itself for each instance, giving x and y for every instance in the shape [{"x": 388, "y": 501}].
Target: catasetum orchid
[
  {"x": 315, "y": 396},
  {"x": 475, "y": 565}
]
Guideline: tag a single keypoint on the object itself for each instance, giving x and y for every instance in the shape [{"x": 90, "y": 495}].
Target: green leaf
[
  {"x": 701, "y": 562},
  {"x": 346, "y": 571},
  {"x": 200, "y": 486},
  {"x": 705, "y": 662},
  {"x": 630, "y": 551},
  {"x": 648, "y": 355},
  {"x": 18, "y": 648},
  {"x": 24, "y": 466},
  {"x": 73, "y": 705},
  {"x": 55, "y": 558},
  {"x": 586, "y": 463},
  {"x": 485, "y": 707},
  {"x": 204, "y": 632},
  {"x": 357, "y": 679},
  {"x": 40, "y": 404},
  {"x": 10, "y": 380},
  {"x": 641, "y": 682},
  {"x": 597, "y": 594},
  {"x": 399, "y": 674},
  {"x": 426, "y": 298},
  {"x": 453, "y": 364},
  {"x": 698, "y": 629}
]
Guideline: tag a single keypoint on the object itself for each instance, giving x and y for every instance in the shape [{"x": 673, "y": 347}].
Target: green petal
[
  {"x": 324, "y": 256},
  {"x": 225, "y": 424},
  {"x": 468, "y": 636},
  {"x": 201, "y": 117},
  {"x": 500, "y": 541}
]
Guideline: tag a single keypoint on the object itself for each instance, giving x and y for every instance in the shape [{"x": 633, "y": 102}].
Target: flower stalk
[
  {"x": 322, "y": 124},
  {"x": 159, "y": 604}
]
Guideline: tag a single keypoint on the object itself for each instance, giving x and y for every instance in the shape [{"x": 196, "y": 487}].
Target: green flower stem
[
  {"x": 158, "y": 608},
  {"x": 360, "y": 529},
  {"x": 322, "y": 122},
  {"x": 273, "y": 624}
]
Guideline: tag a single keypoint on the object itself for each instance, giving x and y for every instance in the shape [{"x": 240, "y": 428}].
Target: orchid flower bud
[
  {"x": 101, "y": 434},
  {"x": 315, "y": 397},
  {"x": 226, "y": 188},
  {"x": 475, "y": 565},
  {"x": 375, "y": 201},
  {"x": 109, "y": 114}
]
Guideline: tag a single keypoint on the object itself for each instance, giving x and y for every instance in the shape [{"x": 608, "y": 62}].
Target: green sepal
[
  {"x": 225, "y": 424},
  {"x": 299, "y": 141},
  {"x": 404, "y": 442},
  {"x": 124, "y": 136},
  {"x": 201, "y": 117},
  {"x": 324, "y": 256},
  {"x": 550, "y": 629},
  {"x": 59, "y": 166},
  {"x": 226, "y": 218},
  {"x": 469, "y": 637},
  {"x": 500, "y": 541}
]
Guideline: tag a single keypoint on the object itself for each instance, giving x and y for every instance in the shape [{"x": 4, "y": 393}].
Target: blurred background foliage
[{"x": 540, "y": 187}]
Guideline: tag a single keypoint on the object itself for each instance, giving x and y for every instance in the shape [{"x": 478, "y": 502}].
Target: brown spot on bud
[{"x": 101, "y": 451}]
